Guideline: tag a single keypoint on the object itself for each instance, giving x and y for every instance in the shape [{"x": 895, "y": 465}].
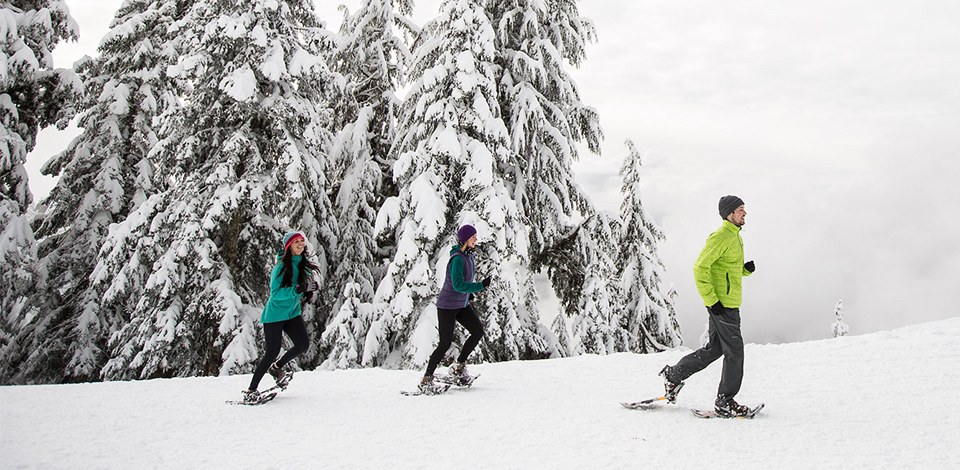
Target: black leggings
[
  {"x": 448, "y": 320},
  {"x": 296, "y": 329}
]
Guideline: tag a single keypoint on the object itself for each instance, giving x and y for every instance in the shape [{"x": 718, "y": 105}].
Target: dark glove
[
  {"x": 716, "y": 308},
  {"x": 307, "y": 298},
  {"x": 486, "y": 282},
  {"x": 749, "y": 266},
  {"x": 308, "y": 286}
]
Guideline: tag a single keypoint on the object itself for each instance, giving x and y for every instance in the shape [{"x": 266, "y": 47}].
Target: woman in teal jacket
[{"x": 289, "y": 285}]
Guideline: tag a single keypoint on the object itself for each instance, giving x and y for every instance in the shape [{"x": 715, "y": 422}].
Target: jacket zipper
[
  {"x": 467, "y": 300},
  {"x": 728, "y": 283}
]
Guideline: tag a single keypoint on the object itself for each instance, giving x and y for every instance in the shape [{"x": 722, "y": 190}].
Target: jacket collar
[{"x": 727, "y": 225}]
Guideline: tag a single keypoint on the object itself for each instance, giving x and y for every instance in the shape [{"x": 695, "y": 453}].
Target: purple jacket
[{"x": 458, "y": 282}]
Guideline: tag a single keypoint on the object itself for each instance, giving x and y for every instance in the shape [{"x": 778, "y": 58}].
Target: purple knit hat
[{"x": 465, "y": 233}]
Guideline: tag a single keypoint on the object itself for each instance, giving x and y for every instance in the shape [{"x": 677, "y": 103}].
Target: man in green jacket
[{"x": 718, "y": 272}]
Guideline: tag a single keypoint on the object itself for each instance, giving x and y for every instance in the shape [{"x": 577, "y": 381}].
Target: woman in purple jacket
[{"x": 453, "y": 306}]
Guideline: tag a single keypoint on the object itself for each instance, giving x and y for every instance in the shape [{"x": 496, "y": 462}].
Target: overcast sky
[{"x": 835, "y": 120}]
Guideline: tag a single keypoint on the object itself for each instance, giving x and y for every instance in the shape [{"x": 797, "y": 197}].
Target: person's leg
[
  {"x": 731, "y": 341},
  {"x": 447, "y": 320},
  {"x": 296, "y": 329},
  {"x": 272, "y": 336},
  {"x": 468, "y": 318},
  {"x": 699, "y": 359}
]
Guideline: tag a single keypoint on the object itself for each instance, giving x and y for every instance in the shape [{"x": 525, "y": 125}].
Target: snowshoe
[
  {"x": 749, "y": 414},
  {"x": 670, "y": 389},
  {"x": 428, "y": 387},
  {"x": 727, "y": 408},
  {"x": 458, "y": 376},
  {"x": 253, "y": 397},
  {"x": 458, "y": 369},
  {"x": 282, "y": 377}
]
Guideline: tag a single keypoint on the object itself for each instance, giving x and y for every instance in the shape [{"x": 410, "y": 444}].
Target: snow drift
[{"x": 872, "y": 401}]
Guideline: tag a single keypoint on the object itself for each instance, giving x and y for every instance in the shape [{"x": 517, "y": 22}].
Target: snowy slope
[{"x": 873, "y": 401}]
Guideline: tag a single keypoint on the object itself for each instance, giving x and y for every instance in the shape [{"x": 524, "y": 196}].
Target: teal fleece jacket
[{"x": 284, "y": 302}]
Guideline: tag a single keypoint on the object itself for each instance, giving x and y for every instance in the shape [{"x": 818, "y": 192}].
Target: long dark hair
[{"x": 286, "y": 272}]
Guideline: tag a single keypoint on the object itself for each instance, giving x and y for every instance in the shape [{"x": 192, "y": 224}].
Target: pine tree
[
  {"x": 104, "y": 174},
  {"x": 839, "y": 327},
  {"x": 608, "y": 275},
  {"x": 452, "y": 151},
  {"x": 371, "y": 59},
  {"x": 564, "y": 345},
  {"x": 547, "y": 120},
  {"x": 582, "y": 267},
  {"x": 650, "y": 319},
  {"x": 543, "y": 111},
  {"x": 33, "y": 95},
  {"x": 240, "y": 155},
  {"x": 597, "y": 322}
]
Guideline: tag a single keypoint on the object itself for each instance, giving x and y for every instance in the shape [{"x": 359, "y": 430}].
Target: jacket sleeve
[
  {"x": 456, "y": 278},
  {"x": 701, "y": 270},
  {"x": 281, "y": 293}
]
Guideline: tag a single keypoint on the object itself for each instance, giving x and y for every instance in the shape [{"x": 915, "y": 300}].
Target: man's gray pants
[{"x": 725, "y": 340}]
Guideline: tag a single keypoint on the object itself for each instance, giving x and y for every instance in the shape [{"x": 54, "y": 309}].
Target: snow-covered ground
[{"x": 875, "y": 401}]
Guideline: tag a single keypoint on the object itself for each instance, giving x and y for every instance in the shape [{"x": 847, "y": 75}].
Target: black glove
[
  {"x": 486, "y": 282},
  {"x": 308, "y": 286},
  {"x": 307, "y": 298},
  {"x": 749, "y": 266},
  {"x": 716, "y": 308}
]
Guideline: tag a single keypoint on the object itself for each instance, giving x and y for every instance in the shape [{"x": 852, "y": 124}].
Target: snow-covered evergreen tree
[
  {"x": 839, "y": 327},
  {"x": 610, "y": 276},
  {"x": 371, "y": 58},
  {"x": 33, "y": 95},
  {"x": 240, "y": 156},
  {"x": 543, "y": 111},
  {"x": 564, "y": 344},
  {"x": 523, "y": 55},
  {"x": 453, "y": 168},
  {"x": 598, "y": 322},
  {"x": 650, "y": 320},
  {"x": 104, "y": 174},
  {"x": 547, "y": 120},
  {"x": 583, "y": 267}
]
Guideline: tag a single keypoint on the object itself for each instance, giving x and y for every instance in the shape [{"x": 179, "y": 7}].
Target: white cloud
[{"x": 833, "y": 120}]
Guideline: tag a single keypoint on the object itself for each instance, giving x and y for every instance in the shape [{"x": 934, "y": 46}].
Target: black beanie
[{"x": 728, "y": 204}]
